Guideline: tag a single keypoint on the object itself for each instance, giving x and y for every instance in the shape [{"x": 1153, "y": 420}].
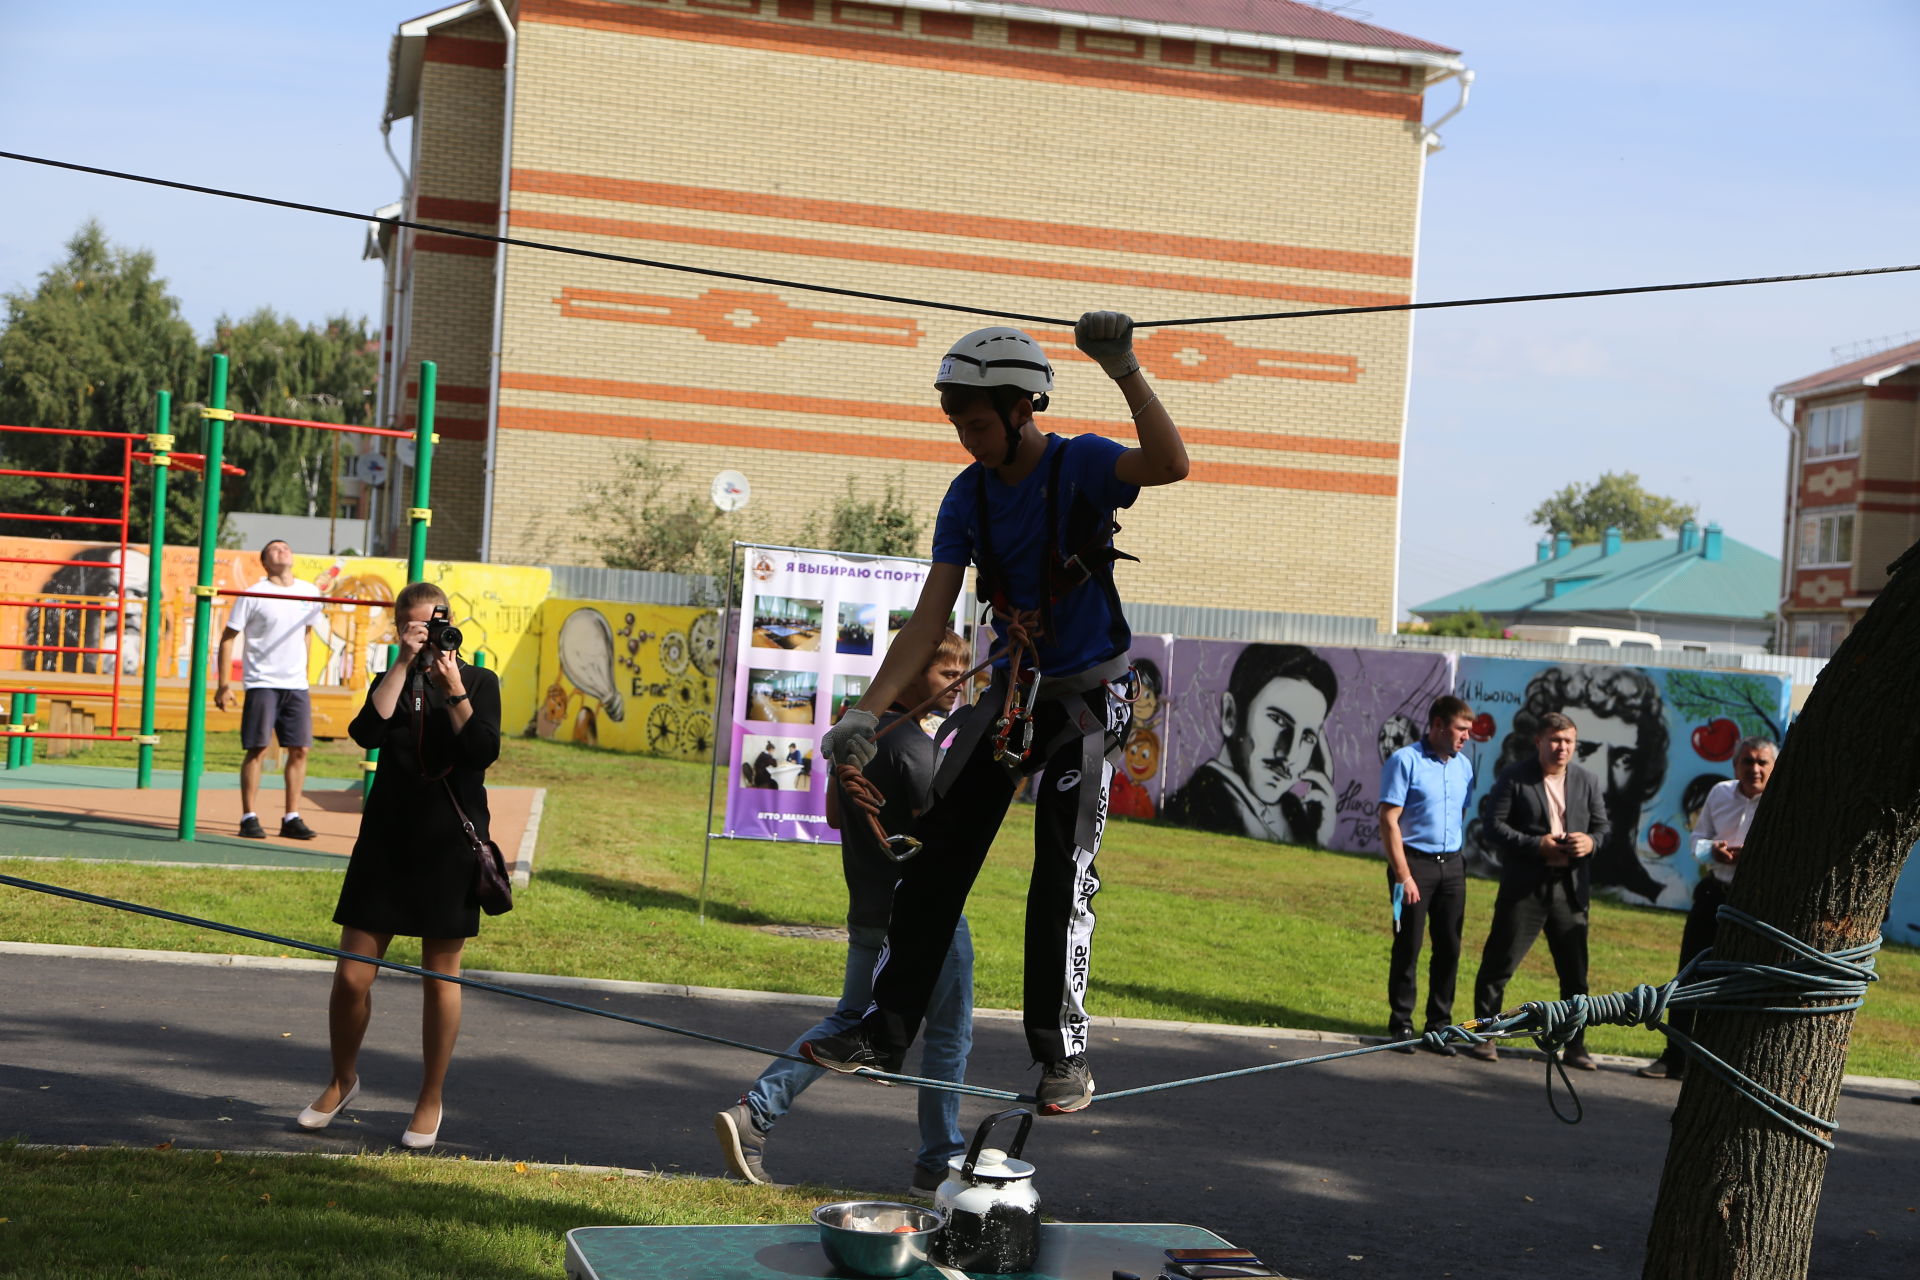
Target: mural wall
[
  {"x": 1658, "y": 738},
  {"x": 627, "y": 677},
  {"x": 1284, "y": 742}
]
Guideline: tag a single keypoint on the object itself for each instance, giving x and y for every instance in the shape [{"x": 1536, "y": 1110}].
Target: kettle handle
[{"x": 980, "y": 1137}]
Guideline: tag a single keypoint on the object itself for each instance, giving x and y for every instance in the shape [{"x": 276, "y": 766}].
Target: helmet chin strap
[{"x": 1013, "y": 433}]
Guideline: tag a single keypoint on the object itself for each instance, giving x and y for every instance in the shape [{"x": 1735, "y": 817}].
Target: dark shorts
[{"x": 269, "y": 713}]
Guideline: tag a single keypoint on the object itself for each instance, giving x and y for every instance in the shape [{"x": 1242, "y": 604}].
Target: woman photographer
[{"x": 436, "y": 723}]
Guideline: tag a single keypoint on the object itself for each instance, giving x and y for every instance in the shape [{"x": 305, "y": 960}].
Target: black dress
[{"x": 412, "y": 868}]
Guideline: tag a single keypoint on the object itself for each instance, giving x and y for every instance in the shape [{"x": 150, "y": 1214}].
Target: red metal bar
[
  {"x": 54, "y": 475},
  {"x": 126, "y": 528},
  {"x": 28, "y": 515},
  {"x": 53, "y": 648},
  {"x": 194, "y": 462},
  {"x": 88, "y": 737},
  {"x": 44, "y": 604},
  {"x": 71, "y": 431},
  {"x": 275, "y": 595},
  {"x": 81, "y": 564},
  {"x": 322, "y": 426}
]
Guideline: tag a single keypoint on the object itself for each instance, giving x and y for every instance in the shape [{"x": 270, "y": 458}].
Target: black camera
[{"x": 442, "y": 636}]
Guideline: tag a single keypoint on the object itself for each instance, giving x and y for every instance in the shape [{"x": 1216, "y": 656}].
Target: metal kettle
[{"x": 991, "y": 1209}]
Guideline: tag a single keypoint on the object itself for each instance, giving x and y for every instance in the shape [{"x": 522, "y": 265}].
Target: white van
[{"x": 1598, "y": 637}]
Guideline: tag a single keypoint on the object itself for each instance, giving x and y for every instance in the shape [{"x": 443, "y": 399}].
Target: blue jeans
[{"x": 947, "y": 1040}]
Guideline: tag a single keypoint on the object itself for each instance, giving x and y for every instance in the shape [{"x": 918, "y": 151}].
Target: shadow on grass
[
  {"x": 646, "y": 897},
  {"x": 1241, "y": 1013}
]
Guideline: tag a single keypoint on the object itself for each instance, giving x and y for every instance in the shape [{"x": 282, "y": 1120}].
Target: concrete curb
[{"x": 1892, "y": 1084}]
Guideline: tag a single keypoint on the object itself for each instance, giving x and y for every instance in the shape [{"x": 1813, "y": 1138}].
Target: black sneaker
[
  {"x": 294, "y": 829},
  {"x": 1066, "y": 1086},
  {"x": 853, "y": 1050},
  {"x": 252, "y": 830},
  {"x": 742, "y": 1143},
  {"x": 927, "y": 1181}
]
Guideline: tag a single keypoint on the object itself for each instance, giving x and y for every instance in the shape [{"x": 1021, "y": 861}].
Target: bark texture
[{"x": 1739, "y": 1192}]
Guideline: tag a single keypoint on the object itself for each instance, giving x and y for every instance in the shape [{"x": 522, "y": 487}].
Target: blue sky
[{"x": 1605, "y": 143}]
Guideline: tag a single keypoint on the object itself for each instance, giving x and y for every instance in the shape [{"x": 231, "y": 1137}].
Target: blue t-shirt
[
  {"x": 1085, "y": 632},
  {"x": 1432, "y": 794}
]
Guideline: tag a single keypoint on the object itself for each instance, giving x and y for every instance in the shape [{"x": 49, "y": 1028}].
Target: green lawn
[
  {"x": 174, "y": 1215},
  {"x": 1193, "y": 927}
]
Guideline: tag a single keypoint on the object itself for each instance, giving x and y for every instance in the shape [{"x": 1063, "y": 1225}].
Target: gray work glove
[
  {"x": 852, "y": 740},
  {"x": 1107, "y": 336}
]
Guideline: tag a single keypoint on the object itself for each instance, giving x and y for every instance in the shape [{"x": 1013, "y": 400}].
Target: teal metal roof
[{"x": 1654, "y": 576}]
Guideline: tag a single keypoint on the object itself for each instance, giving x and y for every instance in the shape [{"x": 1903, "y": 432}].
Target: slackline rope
[
  {"x": 715, "y": 273},
  {"x": 1722, "y": 986}
]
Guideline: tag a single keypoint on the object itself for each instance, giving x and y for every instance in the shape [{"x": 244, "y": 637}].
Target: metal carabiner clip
[{"x": 900, "y": 848}]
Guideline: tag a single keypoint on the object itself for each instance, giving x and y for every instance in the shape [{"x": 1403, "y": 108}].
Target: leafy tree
[
  {"x": 1584, "y": 511},
  {"x": 1469, "y": 623},
  {"x": 88, "y": 348},
  {"x": 283, "y": 369},
  {"x": 639, "y": 523},
  {"x": 882, "y": 526}
]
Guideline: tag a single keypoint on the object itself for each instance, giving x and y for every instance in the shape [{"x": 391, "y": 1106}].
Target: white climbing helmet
[{"x": 997, "y": 357}]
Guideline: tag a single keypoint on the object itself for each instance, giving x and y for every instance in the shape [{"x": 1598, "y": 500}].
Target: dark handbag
[{"x": 491, "y": 888}]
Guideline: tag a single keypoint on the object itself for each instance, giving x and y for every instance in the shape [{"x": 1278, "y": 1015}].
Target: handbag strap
[{"x": 472, "y": 834}]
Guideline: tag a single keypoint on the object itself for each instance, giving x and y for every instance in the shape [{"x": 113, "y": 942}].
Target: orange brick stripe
[
  {"x": 462, "y": 51},
  {"x": 777, "y": 402},
  {"x": 735, "y": 316},
  {"x": 670, "y": 233},
  {"x": 1022, "y": 230},
  {"x": 1188, "y": 355},
  {"x": 786, "y": 440},
  {"x": 447, "y": 209},
  {"x": 448, "y": 391},
  {"x": 904, "y": 51}
]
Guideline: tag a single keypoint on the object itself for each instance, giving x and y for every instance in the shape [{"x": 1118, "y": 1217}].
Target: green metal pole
[
  {"x": 422, "y": 512},
  {"x": 161, "y": 444},
  {"x": 216, "y": 417},
  {"x": 16, "y": 716},
  {"x": 26, "y": 744}
]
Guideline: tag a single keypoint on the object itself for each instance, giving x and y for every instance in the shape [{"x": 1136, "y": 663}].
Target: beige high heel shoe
[{"x": 313, "y": 1120}]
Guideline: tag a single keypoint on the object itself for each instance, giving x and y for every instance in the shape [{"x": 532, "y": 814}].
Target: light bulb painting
[{"x": 586, "y": 659}]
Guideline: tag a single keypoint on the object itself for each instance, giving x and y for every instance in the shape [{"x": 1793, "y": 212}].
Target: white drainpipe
[
  {"x": 499, "y": 283},
  {"x": 1790, "y": 551}
]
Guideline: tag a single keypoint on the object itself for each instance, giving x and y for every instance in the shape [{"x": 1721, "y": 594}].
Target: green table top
[{"x": 1068, "y": 1251}]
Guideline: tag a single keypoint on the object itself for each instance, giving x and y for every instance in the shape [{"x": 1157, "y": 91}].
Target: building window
[
  {"x": 1816, "y": 637},
  {"x": 1833, "y": 431},
  {"x": 1826, "y": 539}
]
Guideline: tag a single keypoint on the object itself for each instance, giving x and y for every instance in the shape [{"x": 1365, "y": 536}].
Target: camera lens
[{"x": 449, "y": 638}]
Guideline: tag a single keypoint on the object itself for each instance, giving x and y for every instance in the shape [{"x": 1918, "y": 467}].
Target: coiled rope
[{"x": 1839, "y": 979}]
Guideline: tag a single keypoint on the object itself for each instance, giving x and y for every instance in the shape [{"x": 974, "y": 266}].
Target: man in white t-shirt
[
  {"x": 273, "y": 665},
  {"x": 1724, "y": 820}
]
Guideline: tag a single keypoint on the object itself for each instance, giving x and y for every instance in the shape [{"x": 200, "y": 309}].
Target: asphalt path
[{"x": 1388, "y": 1165}]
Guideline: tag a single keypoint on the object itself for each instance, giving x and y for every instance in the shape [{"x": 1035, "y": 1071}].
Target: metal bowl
[{"x": 864, "y": 1236}]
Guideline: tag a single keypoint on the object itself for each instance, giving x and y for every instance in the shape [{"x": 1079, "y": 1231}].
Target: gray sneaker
[
  {"x": 742, "y": 1143},
  {"x": 1065, "y": 1086},
  {"x": 927, "y": 1181}
]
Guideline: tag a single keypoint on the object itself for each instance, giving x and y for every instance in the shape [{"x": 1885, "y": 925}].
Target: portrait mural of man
[
  {"x": 1649, "y": 734},
  {"x": 1272, "y": 777}
]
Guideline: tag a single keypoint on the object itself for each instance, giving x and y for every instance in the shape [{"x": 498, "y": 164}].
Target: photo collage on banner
[
  {"x": 814, "y": 627},
  {"x": 1658, "y": 739}
]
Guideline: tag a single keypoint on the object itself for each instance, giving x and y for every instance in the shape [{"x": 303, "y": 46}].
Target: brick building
[
  {"x": 1169, "y": 159},
  {"x": 1853, "y": 492}
]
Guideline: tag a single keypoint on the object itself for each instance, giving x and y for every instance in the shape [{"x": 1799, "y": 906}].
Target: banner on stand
[{"x": 814, "y": 626}]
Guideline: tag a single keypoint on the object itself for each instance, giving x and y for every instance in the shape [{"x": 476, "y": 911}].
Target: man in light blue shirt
[{"x": 1424, "y": 790}]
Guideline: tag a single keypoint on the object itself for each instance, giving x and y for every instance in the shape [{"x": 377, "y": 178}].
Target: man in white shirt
[
  {"x": 1723, "y": 821},
  {"x": 274, "y": 670}
]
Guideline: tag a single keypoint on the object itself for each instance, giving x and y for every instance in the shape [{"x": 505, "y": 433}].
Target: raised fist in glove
[
  {"x": 851, "y": 741},
  {"x": 1107, "y": 336}
]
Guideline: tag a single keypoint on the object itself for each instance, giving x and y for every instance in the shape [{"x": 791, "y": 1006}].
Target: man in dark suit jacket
[{"x": 1546, "y": 816}]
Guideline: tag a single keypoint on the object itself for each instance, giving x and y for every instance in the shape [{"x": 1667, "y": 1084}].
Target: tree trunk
[{"x": 1739, "y": 1192}]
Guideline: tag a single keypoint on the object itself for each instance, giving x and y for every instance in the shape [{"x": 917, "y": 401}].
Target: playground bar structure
[
  {"x": 57, "y": 616},
  {"x": 216, "y": 416}
]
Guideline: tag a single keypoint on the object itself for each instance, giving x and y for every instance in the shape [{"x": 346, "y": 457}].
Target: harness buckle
[
  {"x": 1075, "y": 570},
  {"x": 900, "y": 848}
]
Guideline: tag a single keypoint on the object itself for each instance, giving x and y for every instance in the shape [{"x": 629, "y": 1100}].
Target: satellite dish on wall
[{"x": 731, "y": 491}]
